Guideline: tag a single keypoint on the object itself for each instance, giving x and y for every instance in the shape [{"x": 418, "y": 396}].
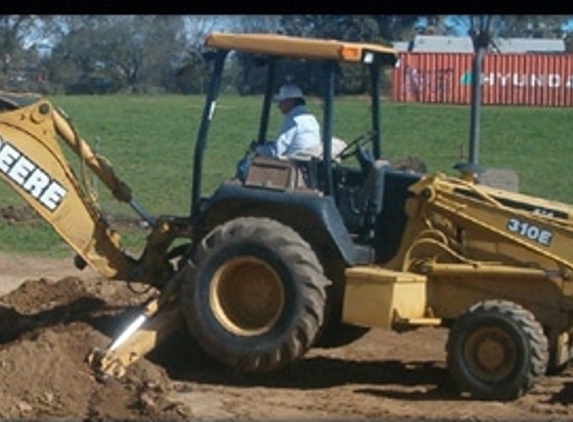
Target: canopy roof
[{"x": 304, "y": 48}]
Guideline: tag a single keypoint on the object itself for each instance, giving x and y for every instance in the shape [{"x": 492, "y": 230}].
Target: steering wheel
[{"x": 354, "y": 146}]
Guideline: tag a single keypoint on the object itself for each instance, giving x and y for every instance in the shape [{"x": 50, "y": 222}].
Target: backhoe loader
[{"x": 279, "y": 261}]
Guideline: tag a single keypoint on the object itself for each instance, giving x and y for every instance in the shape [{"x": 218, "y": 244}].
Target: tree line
[{"x": 104, "y": 54}]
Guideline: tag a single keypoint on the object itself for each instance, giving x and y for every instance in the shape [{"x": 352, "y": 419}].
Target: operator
[{"x": 299, "y": 135}]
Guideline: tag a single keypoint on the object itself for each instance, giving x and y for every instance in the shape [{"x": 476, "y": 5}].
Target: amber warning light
[{"x": 350, "y": 53}]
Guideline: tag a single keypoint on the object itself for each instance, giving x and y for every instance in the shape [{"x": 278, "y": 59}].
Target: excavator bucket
[{"x": 157, "y": 321}]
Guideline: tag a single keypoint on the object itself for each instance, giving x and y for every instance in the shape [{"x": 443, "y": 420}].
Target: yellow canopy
[{"x": 299, "y": 47}]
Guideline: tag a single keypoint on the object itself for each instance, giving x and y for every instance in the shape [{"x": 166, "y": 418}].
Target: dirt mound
[
  {"x": 49, "y": 325},
  {"x": 37, "y": 295},
  {"x": 46, "y": 331}
]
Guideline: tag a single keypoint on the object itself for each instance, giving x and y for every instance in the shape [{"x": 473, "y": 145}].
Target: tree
[
  {"x": 522, "y": 26},
  {"x": 532, "y": 26},
  {"x": 243, "y": 72},
  {"x": 190, "y": 68},
  {"x": 17, "y": 34},
  {"x": 396, "y": 27},
  {"x": 569, "y": 42},
  {"x": 258, "y": 23},
  {"x": 108, "y": 53},
  {"x": 367, "y": 28},
  {"x": 164, "y": 39}
]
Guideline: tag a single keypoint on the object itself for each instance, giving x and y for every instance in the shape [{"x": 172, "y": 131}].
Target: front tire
[
  {"x": 255, "y": 297},
  {"x": 497, "y": 351}
]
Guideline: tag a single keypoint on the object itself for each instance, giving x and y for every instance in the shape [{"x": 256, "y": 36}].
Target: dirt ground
[{"x": 52, "y": 315}]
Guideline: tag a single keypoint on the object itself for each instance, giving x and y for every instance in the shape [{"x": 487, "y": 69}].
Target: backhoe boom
[{"x": 33, "y": 164}]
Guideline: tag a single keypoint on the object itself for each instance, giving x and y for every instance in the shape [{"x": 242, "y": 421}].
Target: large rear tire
[
  {"x": 255, "y": 297},
  {"x": 497, "y": 351}
]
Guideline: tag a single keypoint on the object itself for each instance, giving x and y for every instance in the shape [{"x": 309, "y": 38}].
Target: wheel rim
[
  {"x": 247, "y": 296},
  {"x": 490, "y": 354}
]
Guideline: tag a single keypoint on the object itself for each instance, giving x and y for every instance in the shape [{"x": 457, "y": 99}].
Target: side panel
[{"x": 450, "y": 295}]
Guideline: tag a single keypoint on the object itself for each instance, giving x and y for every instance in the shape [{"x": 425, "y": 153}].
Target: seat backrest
[{"x": 277, "y": 173}]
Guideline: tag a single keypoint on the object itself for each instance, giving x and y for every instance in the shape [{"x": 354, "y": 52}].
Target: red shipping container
[{"x": 512, "y": 79}]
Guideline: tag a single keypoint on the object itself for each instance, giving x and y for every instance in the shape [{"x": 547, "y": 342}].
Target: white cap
[{"x": 288, "y": 92}]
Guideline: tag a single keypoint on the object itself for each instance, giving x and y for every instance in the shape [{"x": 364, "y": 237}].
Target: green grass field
[{"x": 149, "y": 141}]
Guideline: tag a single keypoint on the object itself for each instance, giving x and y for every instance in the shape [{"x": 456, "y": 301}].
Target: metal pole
[
  {"x": 480, "y": 38},
  {"x": 475, "y": 106},
  {"x": 264, "y": 123},
  {"x": 375, "y": 83},
  {"x": 208, "y": 111},
  {"x": 330, "y": 69}
]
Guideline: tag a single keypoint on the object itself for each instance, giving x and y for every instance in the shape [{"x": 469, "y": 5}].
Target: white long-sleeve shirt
[{"x": 298, "y": 137}]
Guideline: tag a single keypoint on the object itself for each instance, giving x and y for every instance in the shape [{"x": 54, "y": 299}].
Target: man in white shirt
[{"x": 299, "y": 135}]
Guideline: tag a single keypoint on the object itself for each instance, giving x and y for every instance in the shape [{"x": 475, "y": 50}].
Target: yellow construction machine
[{"x": 285, "y": 258}]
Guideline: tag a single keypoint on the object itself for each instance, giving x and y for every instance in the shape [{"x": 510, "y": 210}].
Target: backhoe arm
[
  {"x": 105, "y": 173},
  {"x": 513, "y": 228},
  {"x": 33, "y": 164}
]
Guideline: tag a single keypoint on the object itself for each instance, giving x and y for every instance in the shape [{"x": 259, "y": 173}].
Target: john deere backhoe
[{"x": 277, "y": 262}]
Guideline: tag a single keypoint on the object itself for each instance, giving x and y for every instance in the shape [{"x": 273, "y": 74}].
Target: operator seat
[{"x": 280, "y": 173}]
